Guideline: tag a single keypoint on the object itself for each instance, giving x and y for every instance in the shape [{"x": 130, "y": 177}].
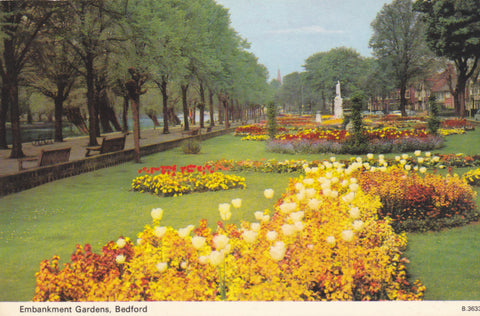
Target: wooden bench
[
  {"x": 108, "y": 145},
  {"x": 44, "y": 139},
  {"x": 192, "y": 132},
  {"x": 48, "y": 157}
]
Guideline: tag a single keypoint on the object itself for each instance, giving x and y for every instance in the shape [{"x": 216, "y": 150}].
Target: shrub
[
  {"x": 191, "y": 146},
  {"x": 271, "y": 120},
  {"x": 433, "y": 122}
]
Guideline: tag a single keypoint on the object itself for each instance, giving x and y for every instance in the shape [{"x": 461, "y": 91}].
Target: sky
[{"x": 284, "y": 33}]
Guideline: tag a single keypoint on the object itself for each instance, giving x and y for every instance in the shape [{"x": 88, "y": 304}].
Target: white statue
[
  {"x": 337, "y": 89},
  {"x": 338, "y": 108}
]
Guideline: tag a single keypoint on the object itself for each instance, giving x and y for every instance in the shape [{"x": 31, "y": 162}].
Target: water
[{"x": 31, "y": 132}]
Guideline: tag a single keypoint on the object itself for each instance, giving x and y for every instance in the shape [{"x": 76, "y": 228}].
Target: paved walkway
[{"x": 79, "y": 144}]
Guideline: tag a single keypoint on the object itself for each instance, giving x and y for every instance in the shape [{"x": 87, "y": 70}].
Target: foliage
[
  {"x": 399, "y": 44},
  {"x": 433, "y": 121},
  {"x": 358, "y": 142},
  {"x": 323, "y": 242},
  {"x": 191, "y": 146},
  {"x": 452, "y": 31},
  {"x": 325, "y": 68},
  {"x": 271, "y": 120}
]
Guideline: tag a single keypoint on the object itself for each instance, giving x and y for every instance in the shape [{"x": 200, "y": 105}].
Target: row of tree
[
  {"x": 98, "y": 46},
  {"x": 410, "y": 41}
]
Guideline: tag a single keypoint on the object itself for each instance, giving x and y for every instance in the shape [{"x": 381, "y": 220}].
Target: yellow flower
[
  {"x": 249, "y": 236},
  {"x": 215, "y": 258},
  {"x": 220, "y": 241},
  {"x": 288, "y": 229},
  {"x": 330, "y": 240},
  {"x": 160, "y": 231},
  {"x": 271, "y": 235},
  {"x": 358, "y": 225},
  {"x": 255, "y": 226},
  {"x": 237, "y": 203},
  {"x": 354, "y": 212},
  {"x": 121, "y": 243},
  {"x": 224, "y": 210},
  {"x": 278, "y": 251},
  {"x": 198, "y": 242},
  {"x": 161, "y": 266},
  {"x": 157, "y": 213},
  {"x": 120, "y": 259},
  {"x": 347, "y": 235}
]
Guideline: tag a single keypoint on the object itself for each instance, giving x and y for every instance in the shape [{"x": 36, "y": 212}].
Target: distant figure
[{"x": 337, "y": 88}]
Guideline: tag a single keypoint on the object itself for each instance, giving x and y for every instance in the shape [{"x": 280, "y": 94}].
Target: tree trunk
[
  {"x": 220, "y": 109},
  {"x": 202, "y": 106},
  {"x": 101, "y": 101},
  {"x": 459, "y": 96},
  {"x": 211, "y": 109},
  {"x": 11, "y": 85},
  {"x": 136, "y": 127},
  {"x": 3, "y": 118},
  {"x": 17, "y": 151},
  {"x": 184, "y": 88},
  {"x": 59, "y": 112},
  {"x": 226, "y": 112},
  {"x": 92, "y": 113},
  {"x": 403, "y": 100},
  {"x": 163, "y": 89},
  {"x": 125, "y": 114},
  {"x": 134, "y": 88}
]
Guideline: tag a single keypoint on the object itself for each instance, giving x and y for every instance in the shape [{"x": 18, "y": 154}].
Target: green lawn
[{"x": 97, "y": 207}]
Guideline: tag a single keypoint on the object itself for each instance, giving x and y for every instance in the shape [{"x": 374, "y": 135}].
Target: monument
[{"x": 338, "y": 109}]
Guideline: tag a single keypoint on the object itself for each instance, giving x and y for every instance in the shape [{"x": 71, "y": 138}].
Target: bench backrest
[
  {"x": 53, "y": 156},
  {"x": 112, "y": 144}
]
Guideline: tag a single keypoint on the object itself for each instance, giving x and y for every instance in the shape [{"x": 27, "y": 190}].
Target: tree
[
  {"x": 53, "y": 68},
  {"x": 20, "y": 23},
  {"x": 292, "y": 89},
  {"x": 377, "y": 84},
  {"x": 324, "y": 69},
  {"x": 398, "y": 42},
  {"x": 134, "y": 88},
  {"x": 453, "y": 31},
  {"x": 90, "y": 35}
]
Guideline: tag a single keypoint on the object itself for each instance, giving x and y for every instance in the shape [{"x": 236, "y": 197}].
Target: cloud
[{"x": 312, "y": 29}]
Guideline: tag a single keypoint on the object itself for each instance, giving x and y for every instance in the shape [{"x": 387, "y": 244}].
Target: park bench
[
  {"x": 108, "y": 145},
  {"x": 44, "y": 139},
  {"x": 192, "y": 132},
  {"x": 47, "y": 157}
]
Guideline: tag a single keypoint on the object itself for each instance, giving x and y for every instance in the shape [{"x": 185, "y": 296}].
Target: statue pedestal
[
  {"x": 318, "y": 117},
  {"x": 338, "y": 109}
]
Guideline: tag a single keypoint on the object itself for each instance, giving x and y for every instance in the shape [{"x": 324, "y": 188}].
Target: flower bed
[
  {"x": 322, "y": 242},
  {"x": 450, "y": 131},
  {"x": 472, "y": 177},
  {"x": 460, "y": 160},
  {"x": 457, "y": 123},
  {"x": 190, "y": 179},
  {"x": 421, "y": 203},
  {"x": 306, "y": 146}
]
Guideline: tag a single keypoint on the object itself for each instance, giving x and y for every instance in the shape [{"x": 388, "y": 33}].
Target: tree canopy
[
  {"x": 453, "y": 31},
  {"x": 399, "y": 44}
]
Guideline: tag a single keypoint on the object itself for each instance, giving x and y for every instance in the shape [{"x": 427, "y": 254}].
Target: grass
[{"x": 97, "y": 207}]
